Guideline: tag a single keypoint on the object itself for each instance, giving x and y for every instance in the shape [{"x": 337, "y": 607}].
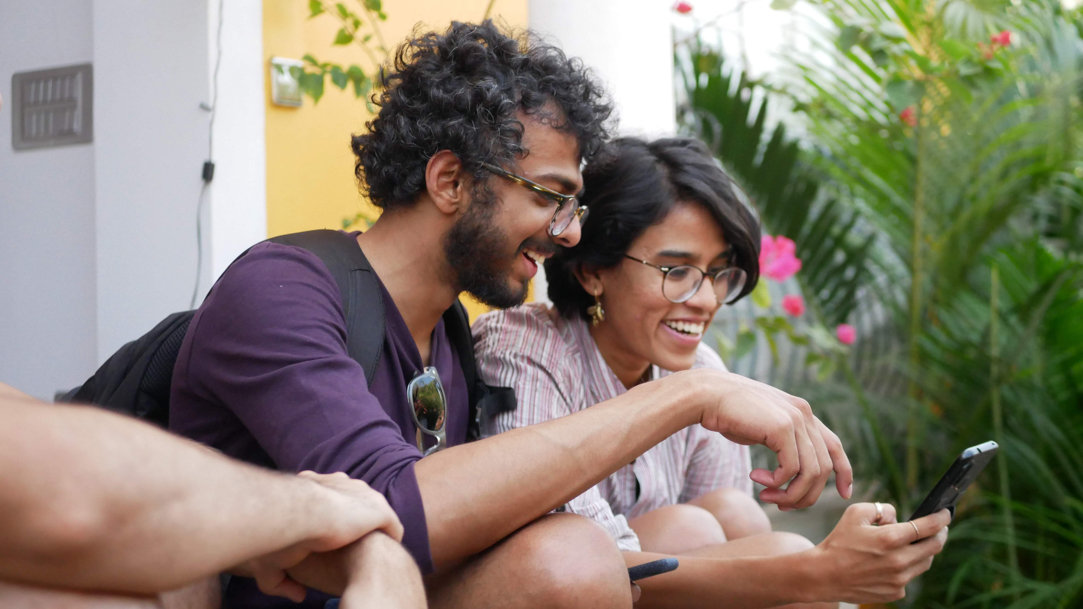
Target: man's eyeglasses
[
  {"x": 568, "y": 207},
  {"x": 681, "y": 282},
  {"x": 429, "y": 407}
]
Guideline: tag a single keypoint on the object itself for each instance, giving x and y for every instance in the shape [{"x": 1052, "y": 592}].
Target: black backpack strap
[
  {"x": 362, "y": 301},
  {"x": 483, "y": 398}
]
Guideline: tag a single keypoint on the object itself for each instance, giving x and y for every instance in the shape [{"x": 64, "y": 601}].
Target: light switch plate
[{"x": 285, "y": 90}]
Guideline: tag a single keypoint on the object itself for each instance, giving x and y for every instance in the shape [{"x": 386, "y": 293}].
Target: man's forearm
[
  {"x": 374, "y": 571},
  {"x": 522, "y": 474},
  {"x": 95, "y": 500}
]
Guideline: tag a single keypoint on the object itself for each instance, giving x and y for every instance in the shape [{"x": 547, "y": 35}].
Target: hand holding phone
[{"x": 956, "y": 480}]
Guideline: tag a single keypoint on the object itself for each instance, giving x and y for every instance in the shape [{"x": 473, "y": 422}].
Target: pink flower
[
  {"x": 683, "y": 8},
  {"x": 777, "y": 259},
  {"x": 1002, "y": 39},
  {"x": 793, "y": 304},
  {"x": 846, "y": 333},
  {"x": 909, "y": 116}
]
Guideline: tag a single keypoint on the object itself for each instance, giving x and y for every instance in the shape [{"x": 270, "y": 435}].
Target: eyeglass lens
[
  {"x": 429, "y": 404},
  {"x": 680, "y": 283},
  {"x": 565, "y": 213}
]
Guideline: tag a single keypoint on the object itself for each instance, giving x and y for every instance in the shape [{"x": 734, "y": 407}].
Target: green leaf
[
  {"x": 890, "y": 29},
  {"x": 761, "y": 296},
  {"x": 338, "y": 77},
  {"x": 783, "y": 5},
  {"x": 902, "y": 93},
  {"x": 343, "y": 37},
  {"x": 312, "y": 85},
  {"x": 847, "y": 38},
  {"x": 315, "y": 7},
  {"x": 362, "y": 87},
  {"x": 343, "y": 12},
  {"x": 374, "y": 5},
  {"x": 955, "y": 49},
  {"x": 746, "y": 342},
  {"x": 310, "y": 59}
]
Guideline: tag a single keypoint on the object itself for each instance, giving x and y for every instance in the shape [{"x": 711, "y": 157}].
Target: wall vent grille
[{"x": 52, "y": 107}]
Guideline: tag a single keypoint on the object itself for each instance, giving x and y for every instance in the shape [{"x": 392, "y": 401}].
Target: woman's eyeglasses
[
  {"x": 568, "y": 207},
  {"x": 429, "y": 408},
  {"x": 681, "y": 282}
]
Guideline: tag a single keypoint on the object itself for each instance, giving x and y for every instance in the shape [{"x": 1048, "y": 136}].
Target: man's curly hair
[{"x": 461, "y": 91}]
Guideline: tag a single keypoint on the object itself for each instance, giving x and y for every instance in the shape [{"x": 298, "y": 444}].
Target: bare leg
[
  {"x": 739, "y": 513},
  {"x": 203, "y": 594},
  {"x": 559, "y": 561},
  {"x": 677, "y": 529},
  {"x": 18, "y": 596}
]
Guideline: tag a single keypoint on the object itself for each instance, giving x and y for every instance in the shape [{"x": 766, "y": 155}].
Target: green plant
[
  {"x": 359, "y": 28},
  {"x": 949, "y": 132}
]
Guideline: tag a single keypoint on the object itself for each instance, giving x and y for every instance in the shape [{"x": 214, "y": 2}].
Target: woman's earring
[{"x": 596, "y": 312}]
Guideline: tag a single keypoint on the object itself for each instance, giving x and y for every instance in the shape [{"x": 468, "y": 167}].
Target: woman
[{"x": 668, "y": 243}]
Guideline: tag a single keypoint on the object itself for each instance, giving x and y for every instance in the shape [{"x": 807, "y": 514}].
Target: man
[
  {"x": 474, "y": 158},
  {"x": 102, "y": 510}
]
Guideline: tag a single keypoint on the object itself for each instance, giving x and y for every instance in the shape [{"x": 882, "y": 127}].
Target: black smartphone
[
  {"x": 654, "y": 567},
  {"x": 959, "y": 476}
]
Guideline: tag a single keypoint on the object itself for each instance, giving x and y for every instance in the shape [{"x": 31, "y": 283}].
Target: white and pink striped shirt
[{"x": 556, "y": 369}]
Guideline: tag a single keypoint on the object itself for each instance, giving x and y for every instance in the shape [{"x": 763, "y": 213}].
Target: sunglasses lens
[{"x": 428, "y": 400}]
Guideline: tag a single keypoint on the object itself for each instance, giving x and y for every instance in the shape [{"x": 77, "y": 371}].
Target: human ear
[
  {"x": 590, "y": 280},
  {"x": 444, "y": 182}
]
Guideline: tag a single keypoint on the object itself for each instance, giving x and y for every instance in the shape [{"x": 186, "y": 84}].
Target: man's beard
[{"x": 477, "y": 252}]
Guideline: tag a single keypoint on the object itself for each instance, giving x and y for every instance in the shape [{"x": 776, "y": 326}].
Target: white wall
[
  {"x": 47, "y": 278},
  {"x": 629, "y": 44},
  {"x": 100, "y": 239},
  {"x": 238, "y": 194},
  {"x": 150, "y": 141}
]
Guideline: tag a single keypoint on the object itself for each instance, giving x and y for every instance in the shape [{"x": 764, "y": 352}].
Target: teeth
[
  {"x": 685, "y": 327},
  {"x": 536, "y": 257}
]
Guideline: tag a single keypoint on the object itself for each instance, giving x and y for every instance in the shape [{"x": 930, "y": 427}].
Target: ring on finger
[
  {"x": 917, "y": 533},
  {"x": 879, "y": 512}
]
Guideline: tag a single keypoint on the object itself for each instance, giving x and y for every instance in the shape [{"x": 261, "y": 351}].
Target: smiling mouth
[
  {"x": 686, "y": 328},
  {"x": 539, "y": 259}
]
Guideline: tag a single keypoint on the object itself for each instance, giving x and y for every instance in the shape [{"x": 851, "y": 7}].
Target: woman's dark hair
[
  {"x": 461, "y": 91},
  {"x": 632, "y": 185}
]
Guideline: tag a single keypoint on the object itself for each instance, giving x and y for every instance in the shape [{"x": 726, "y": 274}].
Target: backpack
[{"x": 136, "y": 379}]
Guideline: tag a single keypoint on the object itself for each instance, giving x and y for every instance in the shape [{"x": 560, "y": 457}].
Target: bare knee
[
  {"x": 561, "y": 560},
  {"x": 677, "y": 529},
  {"x": 738, "y": 512},
  {"x": 579, "y": 564}
]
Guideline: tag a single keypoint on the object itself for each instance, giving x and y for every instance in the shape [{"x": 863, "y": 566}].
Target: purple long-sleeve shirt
[{"x": 265, "y": 377}]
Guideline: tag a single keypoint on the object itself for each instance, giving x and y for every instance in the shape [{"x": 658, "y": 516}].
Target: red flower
[
  {"x": 683, "y": 8},
  {"x": 793, "y": 304},
  {"x": 1002, "y": 39},
  {"x": 846, "y": 334},
  {"x": 777, "y": 259},
  {"x": 909, "y": 116}
]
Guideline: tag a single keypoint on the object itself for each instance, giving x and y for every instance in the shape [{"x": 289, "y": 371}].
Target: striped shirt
[{"x": 556, "y": 369}]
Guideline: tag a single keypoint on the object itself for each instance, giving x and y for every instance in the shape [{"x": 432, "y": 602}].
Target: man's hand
[
  {"x": 750, "y": 412},
  {"x": 871, "y": 559},
  {"x": 350, "y": 511}
]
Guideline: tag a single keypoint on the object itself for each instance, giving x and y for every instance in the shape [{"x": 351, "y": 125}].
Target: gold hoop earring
[{"x": 596, "y": 311}]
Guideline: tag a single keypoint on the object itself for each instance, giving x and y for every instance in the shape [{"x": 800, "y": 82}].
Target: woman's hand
[
  {"x": 750, "y": 412},
  {"x": 871, "y": 559}
]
